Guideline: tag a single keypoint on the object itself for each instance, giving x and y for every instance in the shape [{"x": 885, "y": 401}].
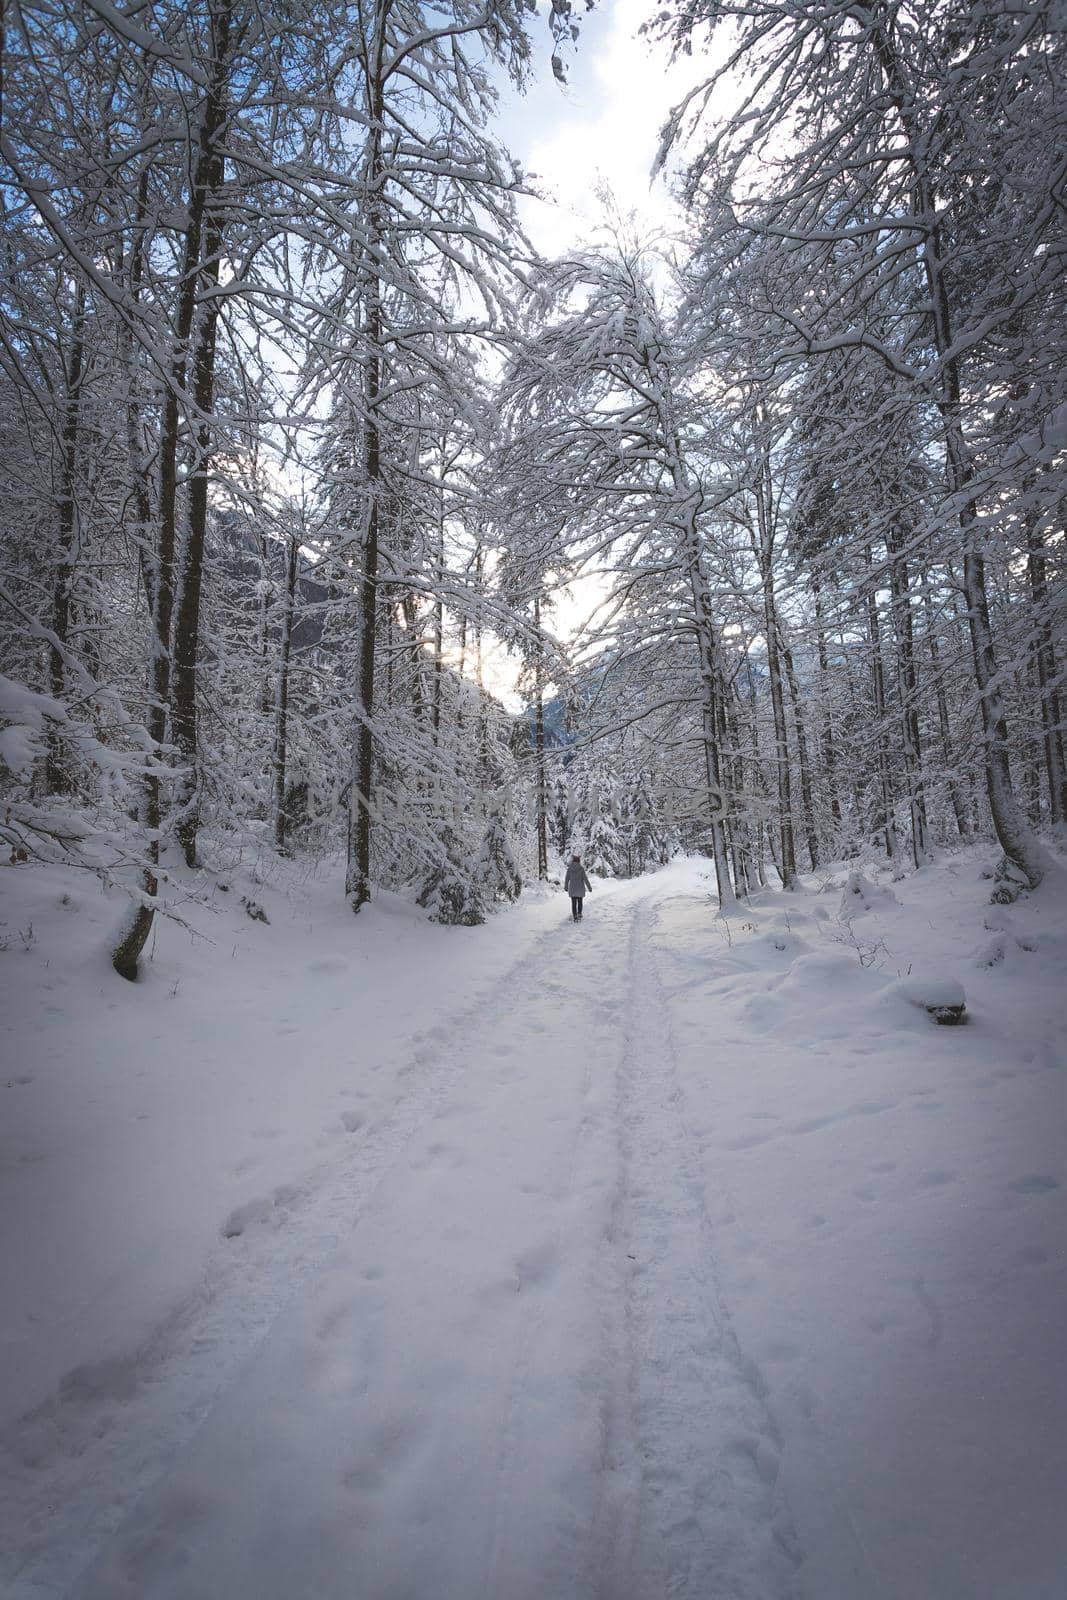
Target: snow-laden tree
[
  {"x": 223, "y": 228},
  {"x": 424, "y": 255},
  {"x": 597, "y": 405},
  {"x": 912, "y": 153}
]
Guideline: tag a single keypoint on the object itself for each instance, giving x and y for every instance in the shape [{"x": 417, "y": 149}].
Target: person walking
[{"x": 577, "y": 885}]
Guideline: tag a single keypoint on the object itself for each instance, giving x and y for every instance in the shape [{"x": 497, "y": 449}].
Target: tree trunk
[
  {"x": 134, "y": 934},
  {"x": 1045, "y": 669},
  {"x": 708, "y": 647},
  {"x": 358, "y": 883},
  {"x": 539, "y": 747},
  {"x": 764, "y": 553},
  {"x": 781, "y": 748},
  {"x": 802, "y": 756},
  {"x": 878, "y": 695},
  {"x": 439, "y": 606},
  {"x": 829, "y": 753},
  {"x": 958, "y": 809},
  {"x": 210, "y": 175},
  {"x": 57, "y": 773},
  {"x": 281, "y": 730},
  {"x": 909, "y": 700},
  {"x": 135, "y": 441},
  {"x": 738, "y": 834}
]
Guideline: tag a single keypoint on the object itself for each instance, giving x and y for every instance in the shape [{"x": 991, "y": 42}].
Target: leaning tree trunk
[{"x": 134, "y": 934}]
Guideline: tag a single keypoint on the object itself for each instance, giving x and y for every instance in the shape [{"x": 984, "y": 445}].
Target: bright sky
[{"x": 603, "y": 127}]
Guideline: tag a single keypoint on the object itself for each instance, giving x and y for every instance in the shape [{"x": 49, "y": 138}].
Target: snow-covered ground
[{"x": 659, "y": 1256}]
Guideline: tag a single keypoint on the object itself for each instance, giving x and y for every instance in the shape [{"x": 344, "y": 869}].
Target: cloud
[{"x": 602, "y": 129}]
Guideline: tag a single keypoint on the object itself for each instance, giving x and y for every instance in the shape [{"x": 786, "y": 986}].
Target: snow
[
  {"x": 933, "y": 991},
  {"x": 662, "y": 1255},
  {"x": 25, "y": 711}
]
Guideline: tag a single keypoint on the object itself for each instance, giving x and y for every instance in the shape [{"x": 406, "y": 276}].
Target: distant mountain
[{"x": 557, "y": 736}]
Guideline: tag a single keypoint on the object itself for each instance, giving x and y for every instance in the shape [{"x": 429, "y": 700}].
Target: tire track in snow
[
  {"x": 71, "y": 1469},
  {"x": 507, "y": 1506},
  {"x": 585, "y": 979},
  {"x": 709, "y": 1518}
]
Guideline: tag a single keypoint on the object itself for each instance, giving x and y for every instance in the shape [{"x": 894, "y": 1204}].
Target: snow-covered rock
[{"x": 939, "y": 993}]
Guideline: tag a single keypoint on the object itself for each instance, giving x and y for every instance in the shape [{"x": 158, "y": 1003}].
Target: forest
[{"x": 296, "y": 423}]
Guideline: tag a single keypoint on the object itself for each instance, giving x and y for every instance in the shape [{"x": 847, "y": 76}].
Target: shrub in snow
[
  {"x": 859, "y": 894},
  {"x": 496, "y": 869},
  {"x": 452, "y": 893},
  {"x": 450, "y": 897},
  {"x": 936, "y": 993},
  {"x": 1009, "y": 883}
]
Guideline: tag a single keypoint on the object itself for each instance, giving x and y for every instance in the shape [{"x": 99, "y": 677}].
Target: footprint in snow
[
  {"x": 244, "y": 1217},
  {"x": 260, "y": 1210},
  {"x": 762, "y": 1455},
  {"x": 812, "y": 1125},
  {"x": 536, "y": 1267},
  {"x": 1037, "y": 1183}
]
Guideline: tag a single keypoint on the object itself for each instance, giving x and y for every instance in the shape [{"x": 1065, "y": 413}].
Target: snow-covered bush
[
  {"x": 496, "y": 870},
  {"x": 452, "y": 892},
  {"x": 1009, "y": 883},
  {"x": 859, "y": 894}
]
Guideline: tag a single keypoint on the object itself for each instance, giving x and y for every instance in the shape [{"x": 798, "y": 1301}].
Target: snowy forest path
[
  {"x": 484, "y": 1356},
  {"x": 712, "y": 1520}
]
